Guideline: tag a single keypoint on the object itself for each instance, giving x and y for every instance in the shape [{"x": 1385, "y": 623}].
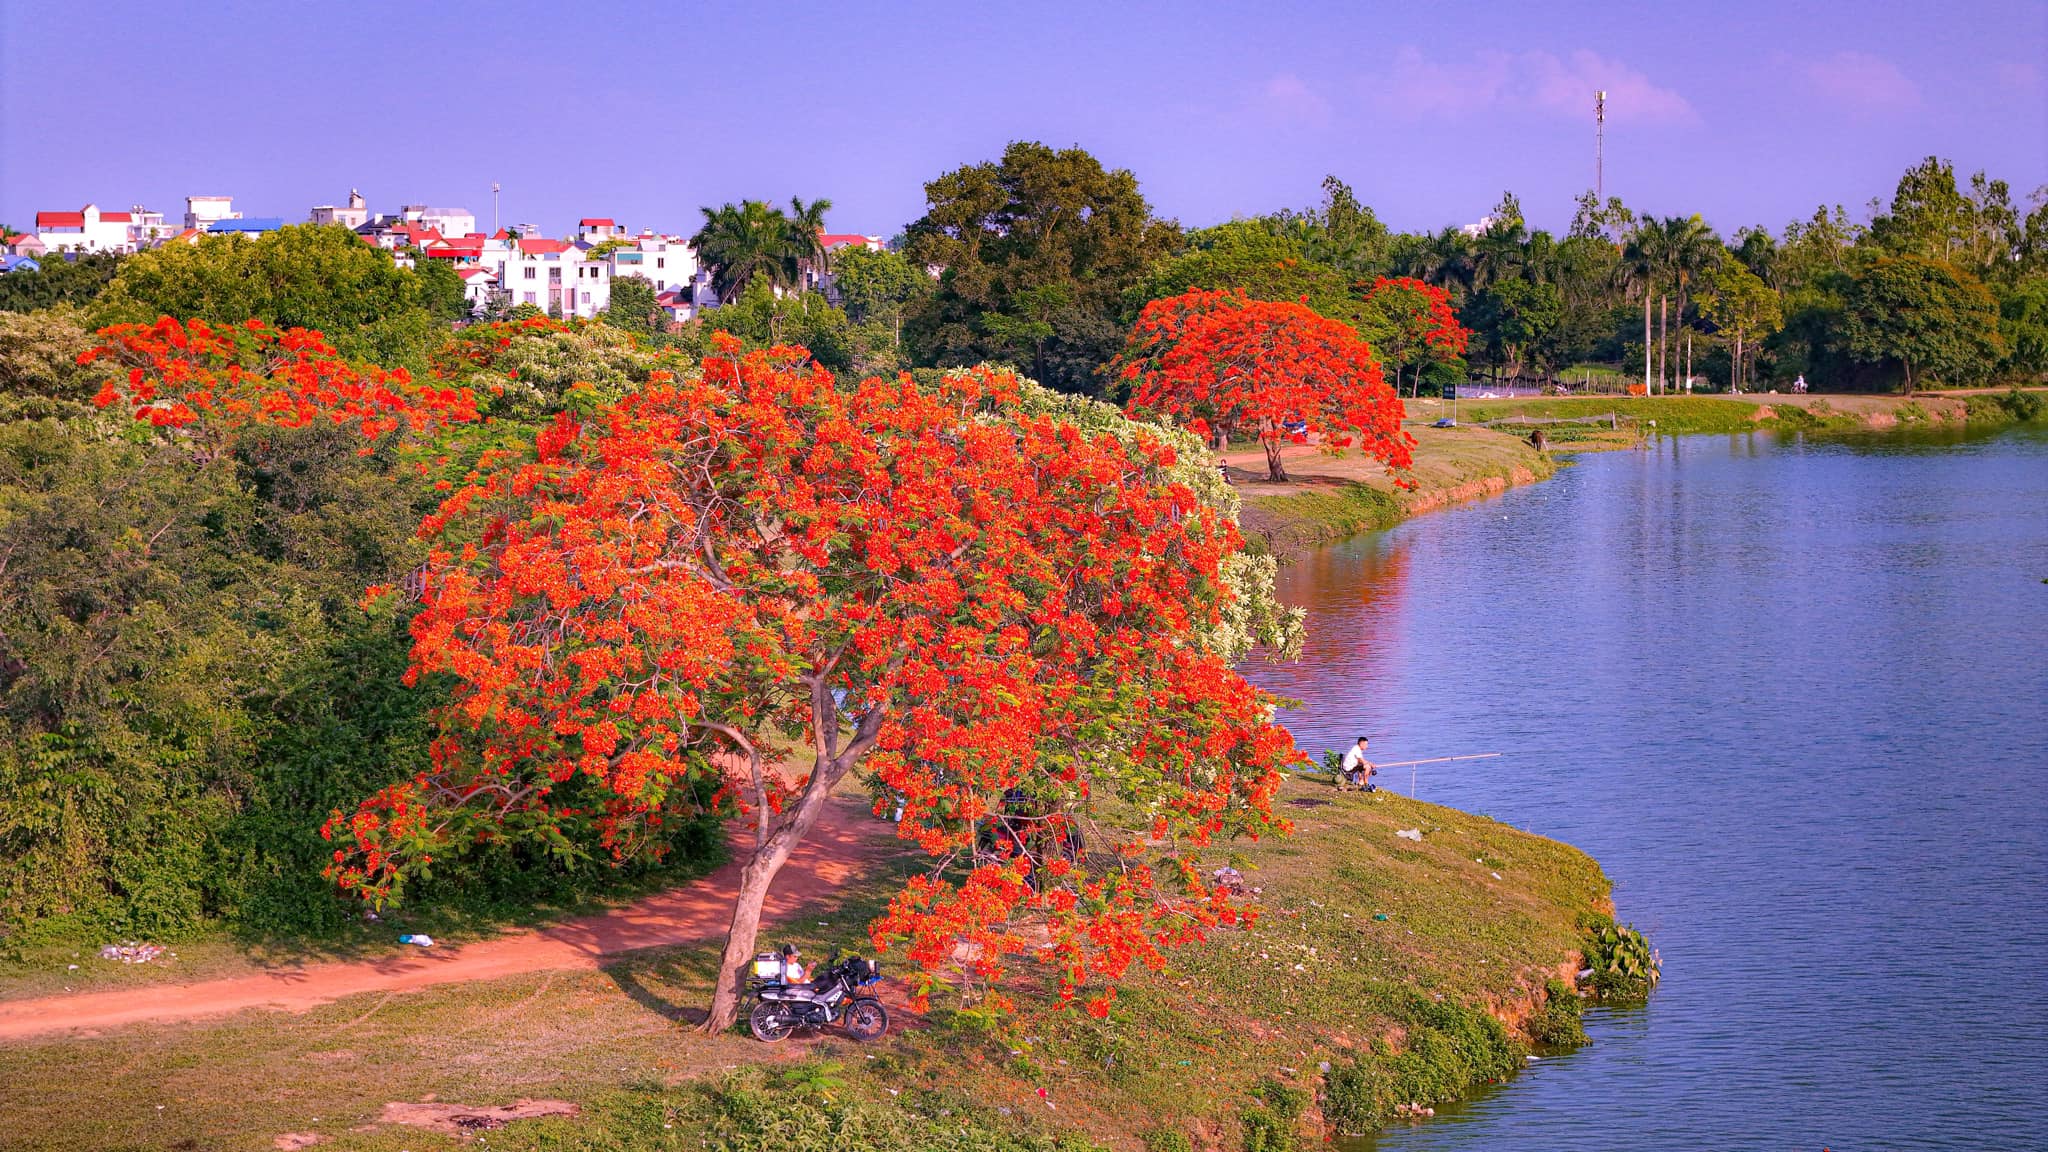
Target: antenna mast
[
  {"x": 1600, "y": 148},
  {"x": 494, "y": 207}
]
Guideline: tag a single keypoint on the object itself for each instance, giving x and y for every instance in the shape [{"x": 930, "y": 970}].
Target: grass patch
[
  {"x": 1202, "y": 1050},
  {"x": 1673, "y": 415}
]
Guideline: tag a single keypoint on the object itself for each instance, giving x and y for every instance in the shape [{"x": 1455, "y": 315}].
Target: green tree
[
  {"x": 1250, "y": 257},
  {"x": 306, "y": 276},
  {"x": 879, "y": 287},
  {"x": 1341, "y": 233},
  {"x": 1516, "y": 321},
  {"x": 763, "y": 319},
  {"x": 744, "y": 241},
  {"x": 76, "y": 280},
  {"x": 2022, "y": 324},
  {"x": 1930, "y": 216},
  {"x": 633, "y": 306},
  {"x": 441, "y": 290},
  {"x": 1038, "y": 249},
  {"x": 1739, "y": 303},
  {"x": 805, "y": 248},
  {"x": 1931, "y": 318}
]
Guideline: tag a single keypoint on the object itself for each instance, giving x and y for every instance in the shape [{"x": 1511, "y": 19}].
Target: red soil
[{"x": 844, "y": 842}]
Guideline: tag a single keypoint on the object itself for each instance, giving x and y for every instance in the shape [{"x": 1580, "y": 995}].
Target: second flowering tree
[{"x": 1279, "y": 368}]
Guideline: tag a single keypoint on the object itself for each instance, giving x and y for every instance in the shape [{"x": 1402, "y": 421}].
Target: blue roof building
[
  {"x": 248, "y": 224},
  {"x": 19, "y": 264}
]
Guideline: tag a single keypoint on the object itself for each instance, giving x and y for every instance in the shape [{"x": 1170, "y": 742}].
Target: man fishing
[{"x": 1358, "y": 771}]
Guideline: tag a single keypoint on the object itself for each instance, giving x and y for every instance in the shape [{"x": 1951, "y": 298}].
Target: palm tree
[
  {"x": 1690, "y": 251},
  {"x": 740, "y": 242},
  {"x": 805, "y": 245},
  {"x": 1641, "y": 270}
]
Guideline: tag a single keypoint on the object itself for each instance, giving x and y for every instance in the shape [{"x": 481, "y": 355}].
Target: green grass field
[{"x": 1322, "y": 977}]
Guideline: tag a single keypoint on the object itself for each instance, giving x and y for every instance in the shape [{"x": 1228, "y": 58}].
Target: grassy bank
[
  {"x": 1684, "y": 415},
  {"x": 1331, "y": 498},
  {"x": 1393, "y": 961}
]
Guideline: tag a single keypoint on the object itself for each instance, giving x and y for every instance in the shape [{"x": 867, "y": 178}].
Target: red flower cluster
[
  {"x": 986, "y": 612},
  {"x": 1280, "y": 367},
  {"x": 235, "y": 377}
]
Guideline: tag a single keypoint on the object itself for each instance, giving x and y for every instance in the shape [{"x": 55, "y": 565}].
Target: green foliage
[
  {"x": 2023, "y": 325},
  {"x": 751, "y": 240},
  {"x": 1931, "y": 318},
  {"x": 878, "y": 285},
  {"x": 1625, "y": 967},
  {"x": 1447, "y": 1049},
  {"x": 737, "y": 1115},
  {"x": 76, "y": 280},
  {"x": 1168, "y": 1140},
  {"x": 1038, "y": 249},
  {"x": 634, "y": 306},
  {"x": 1516, "y": 321},
  {"x": 440, "y": 290},
  {"x": 1250, "y": 257},
  {"x": 305, "y": 276},
  {"x": 763, "y": 319},
  {"x": 187, "y": 683},
  {"x": 1274, "y": 1123},
  {"x": 1561, "y": 1022},
  {"x": 39, "y": 372}
]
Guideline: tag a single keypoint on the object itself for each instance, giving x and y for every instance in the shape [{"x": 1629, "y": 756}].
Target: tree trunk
[
  {"x": 756, "y": 877},
  {"x": 1646, "y": 341},
  {"x": 1664, "y": 339},
  {"x": 1735, "y": 374},
  {"x": 1270, "y": 436}
]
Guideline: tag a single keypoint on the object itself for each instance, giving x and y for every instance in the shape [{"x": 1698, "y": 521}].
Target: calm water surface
[{"x": 1794, "y": 697}]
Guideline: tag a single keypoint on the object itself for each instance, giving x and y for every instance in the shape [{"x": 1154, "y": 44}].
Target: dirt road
[{"x": 846, "y": 840}]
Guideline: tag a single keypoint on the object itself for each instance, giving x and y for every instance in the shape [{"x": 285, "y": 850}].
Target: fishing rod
[{"x": 1410, "y": 765}]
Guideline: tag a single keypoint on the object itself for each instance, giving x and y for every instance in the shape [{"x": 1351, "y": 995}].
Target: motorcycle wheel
[
  {"x": 768, "y": 1023},
  {"x": 866, "y": 1020}
]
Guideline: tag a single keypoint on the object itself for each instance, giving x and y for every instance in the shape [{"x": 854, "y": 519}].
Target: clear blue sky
[{"x": 1748, "y": 111}]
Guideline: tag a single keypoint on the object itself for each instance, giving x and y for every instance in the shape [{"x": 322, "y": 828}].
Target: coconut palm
[
  {"x": 1640, "y": 273},
  {"x": 740, "y": 242},
  {"x": 1691, "y": 250},
  {"x": 805, "y": 245}
]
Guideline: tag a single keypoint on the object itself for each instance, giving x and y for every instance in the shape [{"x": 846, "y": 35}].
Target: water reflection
[{"x": 1791, "y": 693}]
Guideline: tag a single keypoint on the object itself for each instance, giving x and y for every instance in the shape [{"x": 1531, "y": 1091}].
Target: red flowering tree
[
  {"x": 1217, "y": 356},
  {"x": 990, "y": 613},
  {"x": 1412, "y": 325}
]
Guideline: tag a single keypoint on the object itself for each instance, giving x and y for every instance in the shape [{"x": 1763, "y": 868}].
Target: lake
[{"x": 1793, "y": 695}]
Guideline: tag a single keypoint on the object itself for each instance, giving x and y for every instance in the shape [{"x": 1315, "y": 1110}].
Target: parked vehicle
[{"x": 786, "y": 997}]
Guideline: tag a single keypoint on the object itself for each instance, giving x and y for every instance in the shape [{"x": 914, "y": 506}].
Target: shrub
[
  {"x": 1624, "y": 965},
  {"x": 2022, "y": 405},
  {"x": 1449, "y": 1049},
  {"x": 1168, "y": 1140},
  {"x": 1559, "y": 1024},
  {"x": 1272, "y": 1124}
]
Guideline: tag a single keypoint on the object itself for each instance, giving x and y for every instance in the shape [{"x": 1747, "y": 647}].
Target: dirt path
[{"x": 845, "y": 841}]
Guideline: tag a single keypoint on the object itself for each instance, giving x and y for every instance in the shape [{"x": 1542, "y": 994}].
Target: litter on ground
[{"x": 131, "y": 952}]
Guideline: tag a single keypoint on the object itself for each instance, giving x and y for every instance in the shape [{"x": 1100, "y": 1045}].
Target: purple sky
[{"x": 1748, "y": 111}]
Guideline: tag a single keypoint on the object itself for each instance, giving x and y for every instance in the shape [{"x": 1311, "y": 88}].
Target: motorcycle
[{"x": 836, "y": 995}]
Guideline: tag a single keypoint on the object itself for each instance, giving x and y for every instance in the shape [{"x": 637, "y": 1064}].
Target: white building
[
  {"x": 86, "y": 230},
  {"x": 202, "y": 211},
  {"x": 551, "y": 275},
  {"x": 1479, "y": 229},
  {"x": 597, "y": 229},
  {"x": 479, "y": 286},
  {"x": 446, "y": 221},
  {"x": 663, "y": 261},
  {"x": 355, "y": 215}
]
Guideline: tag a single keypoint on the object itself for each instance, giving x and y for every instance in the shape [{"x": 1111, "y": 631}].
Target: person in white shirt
[{"x": 1358, "y": 771}]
